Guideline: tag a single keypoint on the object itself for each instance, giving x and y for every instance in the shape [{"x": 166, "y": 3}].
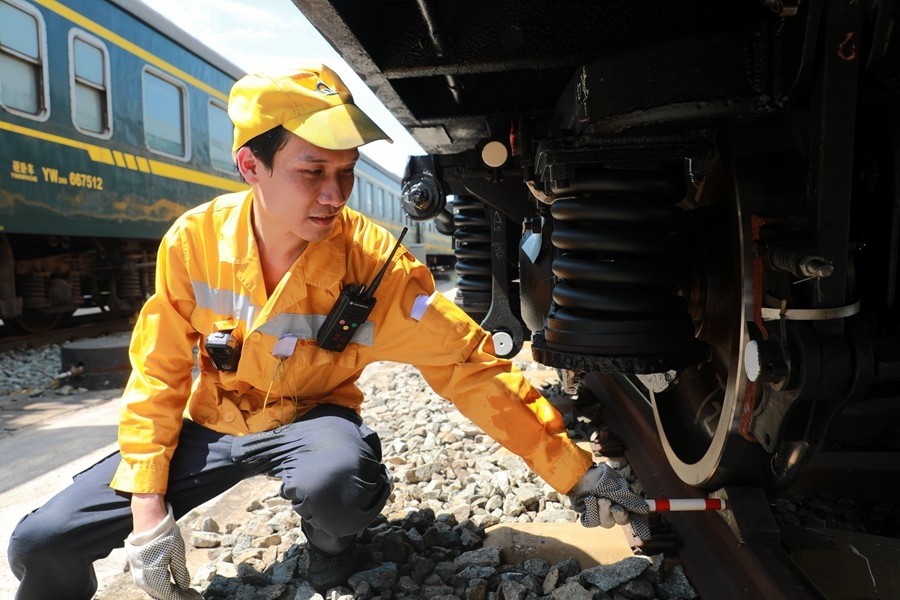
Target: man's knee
[
  {"x": 36, "y": 536},
  {"x": 344, "y": 498},
  {"x": 338, "y": 484}
]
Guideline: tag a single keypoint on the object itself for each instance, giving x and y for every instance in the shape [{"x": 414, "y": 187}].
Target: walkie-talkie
[{"x": 351, "y": 309}]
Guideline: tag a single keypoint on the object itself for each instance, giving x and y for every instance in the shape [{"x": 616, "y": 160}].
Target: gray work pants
[{"x": 329, "y": 464}]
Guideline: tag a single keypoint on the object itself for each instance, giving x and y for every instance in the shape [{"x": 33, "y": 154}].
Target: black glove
[
  {"x": 603, "y": 497},
  {"x": 154, "y": 555}
]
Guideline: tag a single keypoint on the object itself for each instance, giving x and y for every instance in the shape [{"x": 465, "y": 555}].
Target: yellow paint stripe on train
[
  {"x": 175, "y": 172},
  {"x": 56, "y": 139},
  {"x": 118, "y": 40},
  {"x": 101, "y": 155},
  {"x": 105, "y": 156},
  {"x": 130, "y": 162}
]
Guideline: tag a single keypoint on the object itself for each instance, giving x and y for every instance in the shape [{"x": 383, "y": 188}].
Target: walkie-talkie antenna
[{"x": 367, "y": 293}]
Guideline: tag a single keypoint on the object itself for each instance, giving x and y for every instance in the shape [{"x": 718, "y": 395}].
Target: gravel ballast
[{"x": 451, "y": 482}]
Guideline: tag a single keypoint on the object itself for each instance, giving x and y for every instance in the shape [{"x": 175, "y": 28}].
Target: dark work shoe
[{"x": 331, "y": 570}]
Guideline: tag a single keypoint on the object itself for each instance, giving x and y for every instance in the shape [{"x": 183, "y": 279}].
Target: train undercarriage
[
  {"x": 705, "y": 198},
  {"x": 44, "y": 279}
]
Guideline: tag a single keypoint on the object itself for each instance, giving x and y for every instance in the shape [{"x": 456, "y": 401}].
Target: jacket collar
[
  {"x": 236, "y": 243},
  {"x": 323, "y": 264}
]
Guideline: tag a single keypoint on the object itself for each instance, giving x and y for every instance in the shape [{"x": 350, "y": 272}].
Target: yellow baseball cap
[{"x": 311, "y": 102}]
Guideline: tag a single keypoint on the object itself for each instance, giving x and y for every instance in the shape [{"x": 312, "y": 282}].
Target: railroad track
[
  {"x": 744, "y": 553},
  {"x": 87, "y": 326}
]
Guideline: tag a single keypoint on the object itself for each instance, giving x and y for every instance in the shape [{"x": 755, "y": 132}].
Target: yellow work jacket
[{"x": 209, "y": 278}]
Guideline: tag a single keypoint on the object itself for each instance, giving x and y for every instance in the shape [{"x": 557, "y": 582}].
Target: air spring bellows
[
  {"x": 619, "y": 259},
  {"x": 128, "y": 284},
  {"x": 472, "y": 247}
]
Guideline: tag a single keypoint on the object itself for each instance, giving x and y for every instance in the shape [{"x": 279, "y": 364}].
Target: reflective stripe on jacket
[{"x": 209, "y": 279}]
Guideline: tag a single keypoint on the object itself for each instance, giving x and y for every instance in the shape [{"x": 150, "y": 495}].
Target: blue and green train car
[{"x": 112, "y": 123}]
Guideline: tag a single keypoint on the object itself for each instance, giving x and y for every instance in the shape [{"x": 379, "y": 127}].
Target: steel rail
[{"x": 718, "y": 565}]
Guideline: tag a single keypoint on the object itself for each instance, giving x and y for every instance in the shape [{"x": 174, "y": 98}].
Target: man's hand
[
  {"x": 156, "y": 557},
  {"x": 603, "y": 497}
]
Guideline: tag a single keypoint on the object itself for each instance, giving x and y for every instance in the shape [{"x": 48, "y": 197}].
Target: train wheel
[
  {"x": 698, "y": 416},
  {"x": 34, "y": 321}
]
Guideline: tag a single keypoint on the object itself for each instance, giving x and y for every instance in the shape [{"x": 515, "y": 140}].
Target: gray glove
[
  {"x": 603, "y": 497},
  {"x": 153, "y": 555}
]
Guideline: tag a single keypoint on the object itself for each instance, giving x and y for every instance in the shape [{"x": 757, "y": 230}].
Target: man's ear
[{"x": 247, "y": 164}]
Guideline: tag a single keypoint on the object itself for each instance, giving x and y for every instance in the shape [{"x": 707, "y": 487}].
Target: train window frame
[
  {"x": 396, "y": 213},
  {"x": 185, "y": 113},
  {"x": 353, "y": 198},
  {"x": 379, "y": 202},
  {"x": 223, "y": 107},
  {"x": 369, "y": 196},
  {"x": 91, "y": 40},
  {"x": 41, "y": 62}
]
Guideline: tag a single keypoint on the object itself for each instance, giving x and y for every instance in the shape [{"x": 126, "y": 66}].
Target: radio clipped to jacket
[
  {"x": 351, "y": 310},
  {"x": 223, "y": 350}
]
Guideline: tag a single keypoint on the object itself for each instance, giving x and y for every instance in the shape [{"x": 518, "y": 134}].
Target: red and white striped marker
[{"x": 684, "y": 504}]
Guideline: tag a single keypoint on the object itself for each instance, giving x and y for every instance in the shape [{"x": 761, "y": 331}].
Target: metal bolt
[{"x": 814, "y": 266}]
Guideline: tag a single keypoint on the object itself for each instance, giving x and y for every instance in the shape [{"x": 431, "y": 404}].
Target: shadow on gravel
[{"x": 284, "y": 575}]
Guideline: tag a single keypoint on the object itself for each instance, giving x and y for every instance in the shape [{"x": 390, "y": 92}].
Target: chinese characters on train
[{"x": 26, "y": 171}]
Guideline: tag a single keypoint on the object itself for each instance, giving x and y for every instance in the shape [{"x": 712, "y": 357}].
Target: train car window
[
  {"x": 367, "y": 197},
  {"x": 89, "y": 84},
  {"x": 221, "y": 134},
  {"x": 23, "y": 78},
  {"x": 165, "y": 115},
  {"x": 395, "y": 207},
  {"x": 379, "y": 203}
]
